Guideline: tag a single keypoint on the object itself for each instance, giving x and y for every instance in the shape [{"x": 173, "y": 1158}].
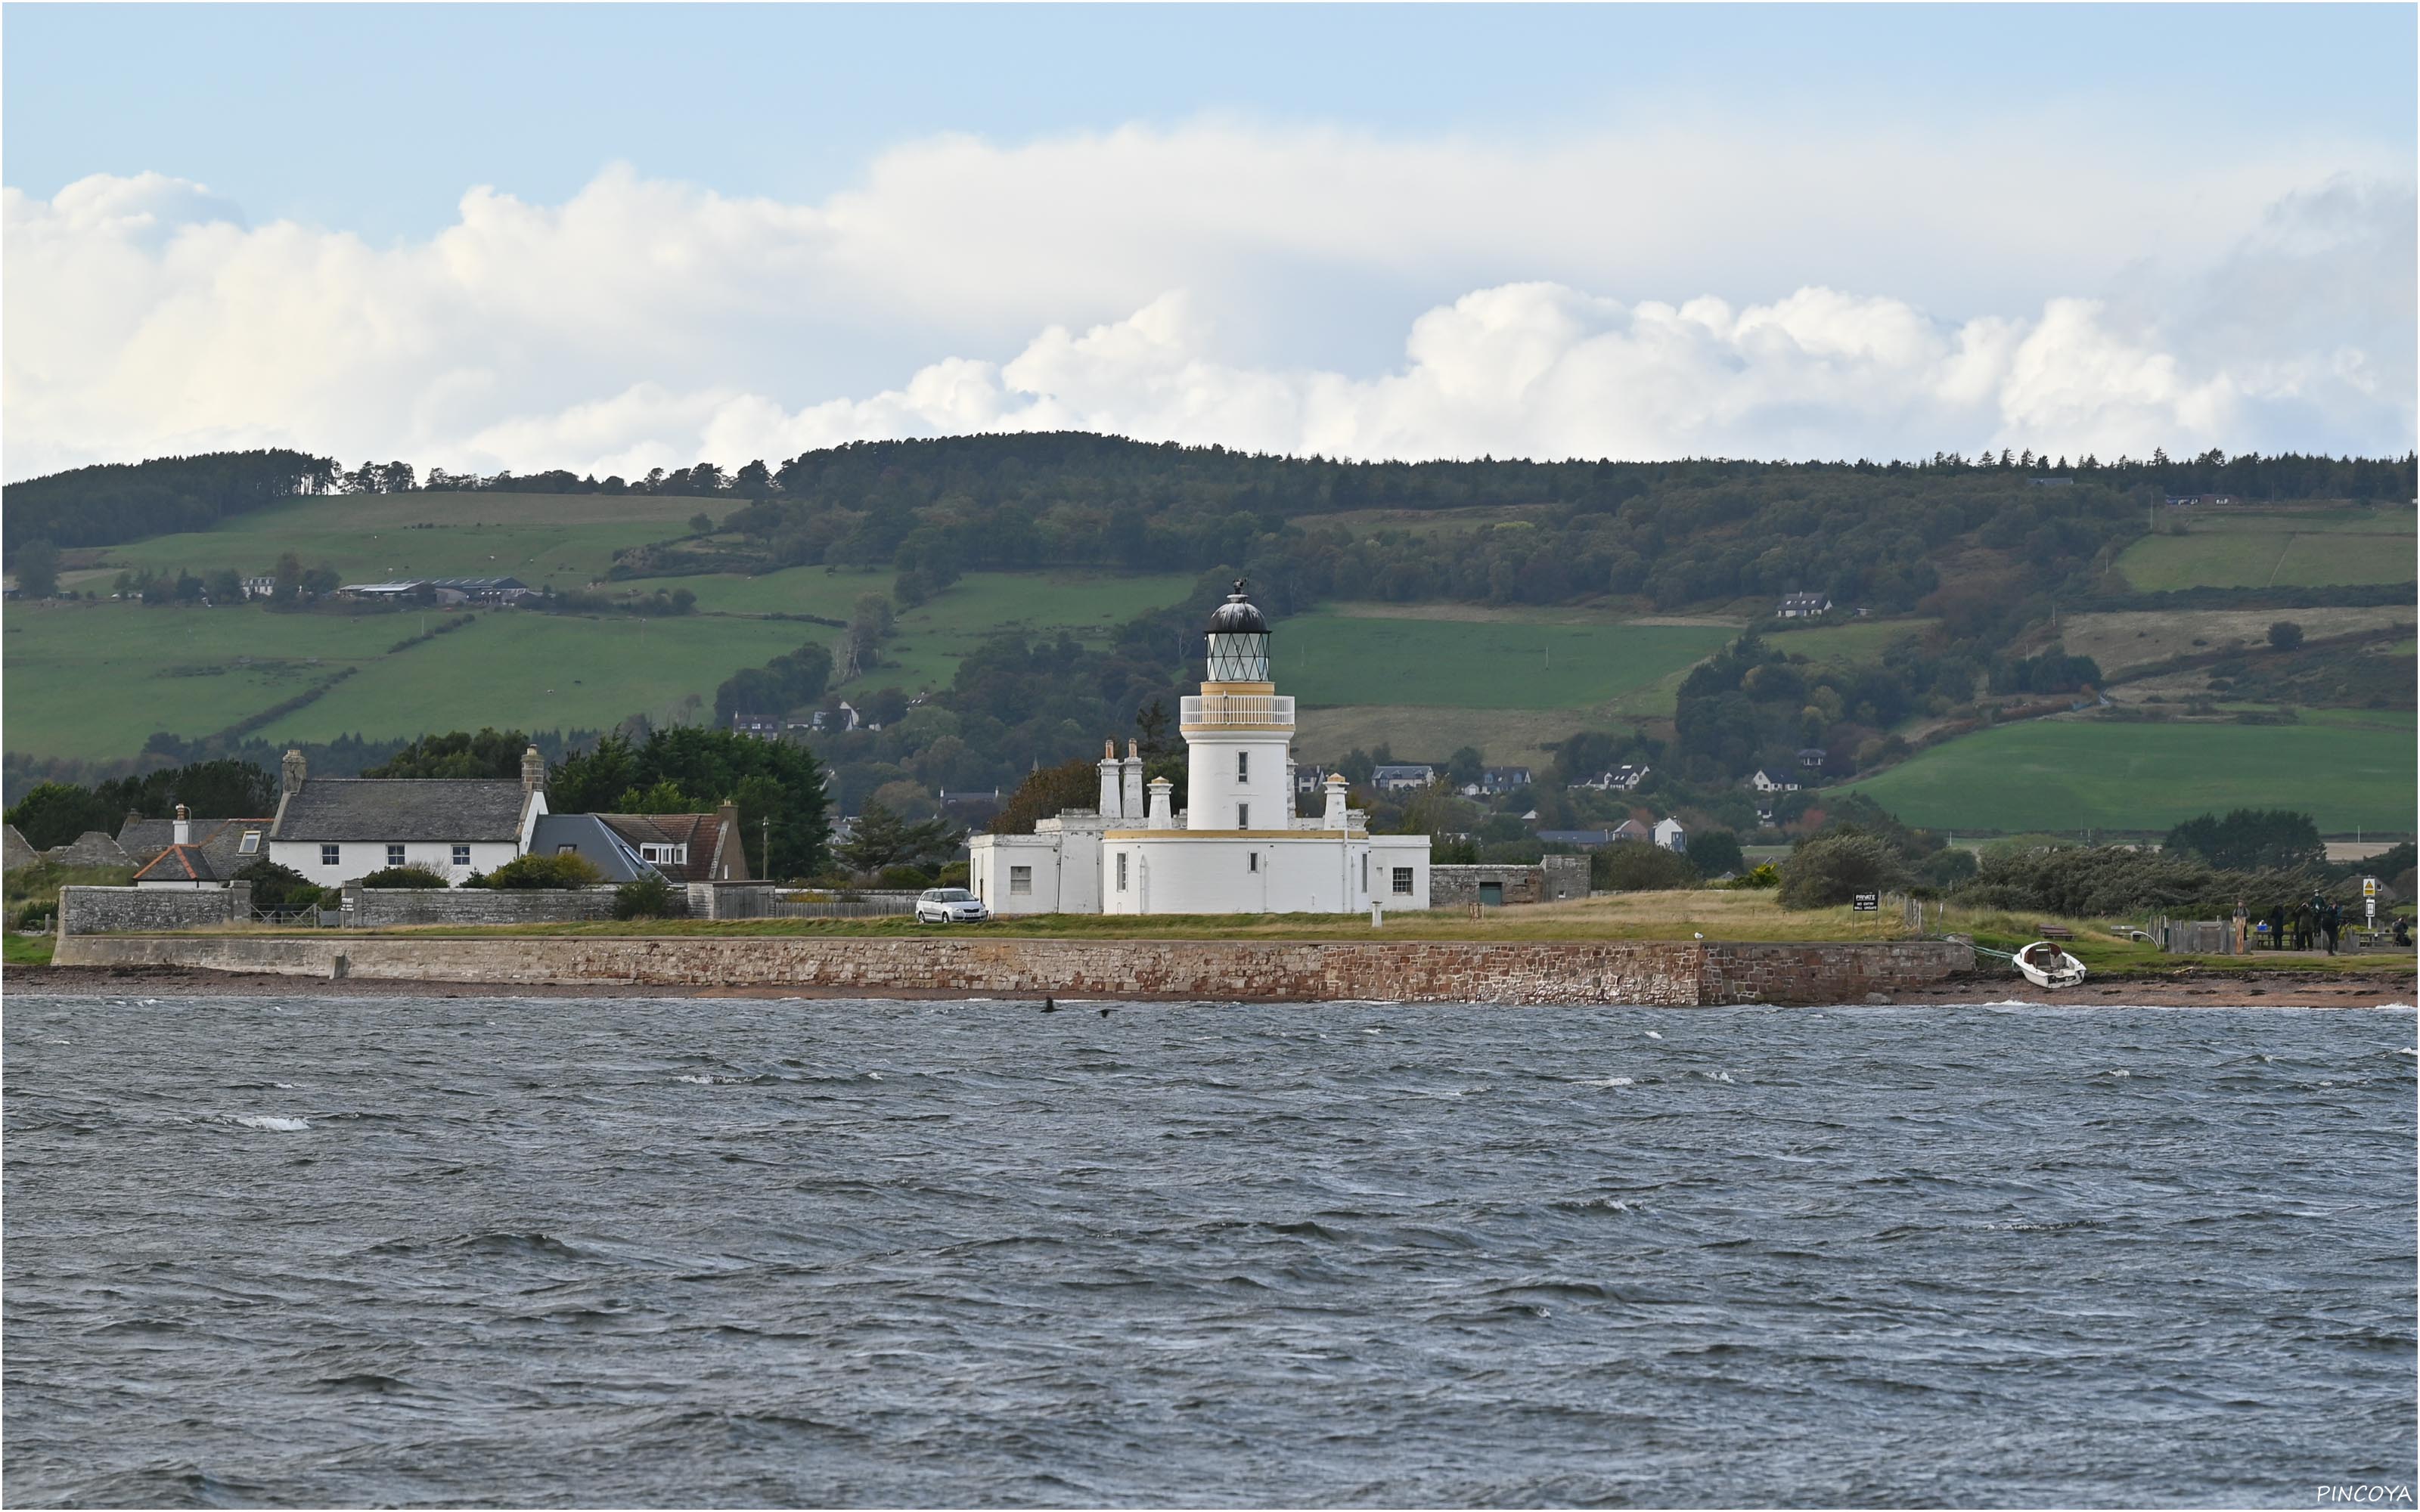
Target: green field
[
  {"x": 1856, "y": 641},
  {"x": 2297, "y": 549},
  {"x": 562, "y": 540},
  {"x": 94, "y": 681},
  {"x": 1331, "y": 658},
  {"x": 2347, "y": 768}
]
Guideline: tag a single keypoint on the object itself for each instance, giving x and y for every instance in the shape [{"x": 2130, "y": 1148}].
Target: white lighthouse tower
[
  {"x": 1239, "y": 732},
  {"x": 1237, "y": 848}
]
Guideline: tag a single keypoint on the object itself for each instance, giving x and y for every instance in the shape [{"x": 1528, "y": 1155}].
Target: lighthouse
[
  {"x": 1239, "y": 847},
  {"x": 1239, "y": 731}
]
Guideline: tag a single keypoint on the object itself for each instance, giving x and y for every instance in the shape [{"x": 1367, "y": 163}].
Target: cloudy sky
[{"x": 618, "y": 238}]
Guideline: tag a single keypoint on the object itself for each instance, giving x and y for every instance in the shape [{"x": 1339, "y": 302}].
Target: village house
[
  {"x": 1803, "y": 605},
  {"x": 1498, "y": 780},
  {"x": 1670, "y": 834},
  {"x": 1765, "y": 781},
  {"x": 687, "y": 847},
  {"x": 1402, "y": 777},
  {"x": 1811, "y": 758},
  {"x": 1630, "y": 831},
  {"x": 193, "y": 854},
  {"x": 763, "y": 726},
  {"x": 339, "y": 829}
]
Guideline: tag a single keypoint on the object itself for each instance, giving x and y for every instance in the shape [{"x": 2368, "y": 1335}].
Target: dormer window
[{"x": 249, "y": 844}]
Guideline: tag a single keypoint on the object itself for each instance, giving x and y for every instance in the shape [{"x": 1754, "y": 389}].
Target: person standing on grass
[
  {"x": 2333, "y": 924},
  {"x": 2276, "y": 926}
]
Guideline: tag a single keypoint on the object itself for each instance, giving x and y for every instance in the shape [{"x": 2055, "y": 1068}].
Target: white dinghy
[{"x": 2045, "y": 964}]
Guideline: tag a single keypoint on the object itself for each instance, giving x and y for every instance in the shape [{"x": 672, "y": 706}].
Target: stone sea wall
[
  {"x": 100, "y": 910},
  {"x": 374, "y": 907},
  {"x": 1670, "y": 973}
]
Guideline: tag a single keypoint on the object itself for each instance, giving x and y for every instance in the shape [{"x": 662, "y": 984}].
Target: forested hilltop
[{"x": 1306, "y": 529}]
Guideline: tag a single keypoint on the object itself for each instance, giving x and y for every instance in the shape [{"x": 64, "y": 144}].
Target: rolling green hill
[
  {"x": 2297, "y": 549},
  {"x": 2347, "y": 768}
]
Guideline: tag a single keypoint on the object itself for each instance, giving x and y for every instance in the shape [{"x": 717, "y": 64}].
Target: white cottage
[
  {"x": 339, "y": 829},
  {"x": 1238, "y": 848}
]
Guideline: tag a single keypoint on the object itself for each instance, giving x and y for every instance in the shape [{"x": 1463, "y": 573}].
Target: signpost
[
  {"x": 2369, "y": 900},
  {"x": 1866, "y": 903}
]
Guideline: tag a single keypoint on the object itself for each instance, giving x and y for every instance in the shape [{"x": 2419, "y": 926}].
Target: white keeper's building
[{"x": 1237, "y": 847}]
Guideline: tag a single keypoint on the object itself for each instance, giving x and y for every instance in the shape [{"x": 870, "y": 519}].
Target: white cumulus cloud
[{"x": 1649, "y": 294}]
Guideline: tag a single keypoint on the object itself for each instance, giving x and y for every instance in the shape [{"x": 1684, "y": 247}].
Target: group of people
[{"x": 2306, "y": 923}]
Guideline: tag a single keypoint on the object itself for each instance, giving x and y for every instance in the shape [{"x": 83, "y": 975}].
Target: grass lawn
[
  {"x": 565, "y": 540},
  {"x": 1331, "y": 658},
  {"x": 96, "y": 680},
  {"x": 2289, "y": 548},
  {"x": 1856, "y": 641},
  {"x": 2346, "y": 767},
  {"x": 26, "y": 949}
]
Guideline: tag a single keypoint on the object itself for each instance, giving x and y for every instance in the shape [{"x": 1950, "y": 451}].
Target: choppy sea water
[{"x": 335, "y": 1251}]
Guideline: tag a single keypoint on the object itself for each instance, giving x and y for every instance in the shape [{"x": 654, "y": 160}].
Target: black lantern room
[{"x": 1239, "y": 640}]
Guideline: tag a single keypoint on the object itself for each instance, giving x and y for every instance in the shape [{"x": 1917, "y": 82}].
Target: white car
[{"x": 949, "y": 905}]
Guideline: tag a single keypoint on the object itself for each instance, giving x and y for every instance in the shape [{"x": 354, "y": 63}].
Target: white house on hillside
[
  {"x": 1238, "y": 848},
  {"x": 1670, "y": 835},
  {"x": 338, "y": 829}
]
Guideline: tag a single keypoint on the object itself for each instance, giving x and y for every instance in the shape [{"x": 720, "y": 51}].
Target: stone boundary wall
[
  {"x": 1667, "y": 973},
  {"x": 104, "y": 910},
  {"x": 1551, "y": 880},
  {"x": 380, "y": 907}
]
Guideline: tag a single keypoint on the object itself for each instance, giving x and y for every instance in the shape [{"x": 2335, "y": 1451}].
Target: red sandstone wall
[{"x": 1670, "y": 973}]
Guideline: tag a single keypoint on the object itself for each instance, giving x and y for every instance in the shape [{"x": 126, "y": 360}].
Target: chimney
[
  {"x": 292, "y": 771},
  {"x": 1112, "y": 784},
  {"x": 533, "y": 772},
  {"x": 183, "y": 830},
  {"x": 729, "y": 844},
  {"x": 1161, "y": 816},
  {"x": 1130, "y": 805},
  {"x": 1334, "y": 817}
]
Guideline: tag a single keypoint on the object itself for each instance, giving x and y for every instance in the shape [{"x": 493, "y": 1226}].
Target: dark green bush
[
  {"x": 279, "y": 888},
  {"x": 565, "y": 871},
  {"x": 1830, "y": 869},
  {"x": 905, "y": 876},
  {"x": 1635, "y": 867},
  {"x": 405, "y": 876},
  {"x": 647, "y": 897}
]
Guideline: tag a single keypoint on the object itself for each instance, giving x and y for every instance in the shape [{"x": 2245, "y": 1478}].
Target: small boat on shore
[{"x": 2045, "y": 964}]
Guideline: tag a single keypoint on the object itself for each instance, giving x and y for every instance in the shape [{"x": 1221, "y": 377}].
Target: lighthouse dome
[
  {"x": 1237, "y": 616},
  {"x": 1238, "y": 640}
]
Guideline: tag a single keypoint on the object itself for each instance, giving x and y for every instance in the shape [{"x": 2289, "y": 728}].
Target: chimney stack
[
  {"x": 533, "y": 772},
  {"x": 1112, "y": 782},
  {"x": 1130, "y": 805},
  {"x": 292, "y": 771},
  {"x": 184, "y": 829},
  {"x": 1161, "y": 816}
]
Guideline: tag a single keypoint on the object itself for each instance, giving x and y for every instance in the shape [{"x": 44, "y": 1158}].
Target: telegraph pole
[{"x": 764, "y": 845}]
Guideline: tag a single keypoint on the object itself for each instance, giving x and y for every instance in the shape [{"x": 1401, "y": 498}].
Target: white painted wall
[
  {"x": 357, "y": 858},
  {"x": 1213, "y": 792},
  {"x": 1310, "y": 872}
]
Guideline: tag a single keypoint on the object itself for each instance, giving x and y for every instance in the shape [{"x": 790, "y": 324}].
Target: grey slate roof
[
  {"x": 400, "y": 808},
  {"x": 180, "y": 863},
  {"x": 594, "y": 842}
]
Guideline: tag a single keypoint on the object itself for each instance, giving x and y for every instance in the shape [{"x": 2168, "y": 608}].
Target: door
[{"x": 1491, "y": 894}]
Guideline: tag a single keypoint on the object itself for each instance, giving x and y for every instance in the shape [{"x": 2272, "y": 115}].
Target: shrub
[
  {"x": 647, "y": 897},
  {"x": 1632, "y": 867},
  {"x": 1766, "y": 875},
  {"x": 418, "y": 874},
  {"x": 955, "y": 875},
  {"x": 2284, "y": 635},
  {"x": 565, "y": 871},
  {"x": 1830, "y": 869},
  {"x": 280, "y": 889},
  {"x": 905, "y": 876},
  {"x": 1713, "y": 852},
  {"x": 2106, "y": 881}
]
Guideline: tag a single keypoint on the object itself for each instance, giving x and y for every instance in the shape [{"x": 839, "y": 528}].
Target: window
[
  {"x": 327, "y": 855},
  {"x": 1243, "y": 816},
  {"x": 1365, "y": 871},
  {"x": 651, "y": 852},
  {"x": 1020, "y": 880},
  {"x": 1242, "y": 766},
  {"x": 394, "y": 855},
  {"x": 1253, "y": 861},
  {"x": 1402, "y": 882},
  {"x": 461, "y": 856},
  {"x": 1121, "y": 870},
  {"x": 251, "y": 844}
]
